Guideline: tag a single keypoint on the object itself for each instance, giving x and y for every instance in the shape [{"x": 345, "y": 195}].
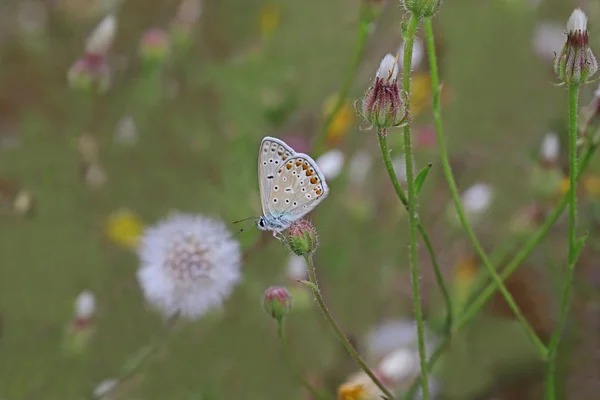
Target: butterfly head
[{"x": 261, "y": 223}]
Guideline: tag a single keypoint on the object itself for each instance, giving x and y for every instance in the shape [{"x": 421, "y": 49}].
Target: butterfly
[{"x": 291, "y": 185}]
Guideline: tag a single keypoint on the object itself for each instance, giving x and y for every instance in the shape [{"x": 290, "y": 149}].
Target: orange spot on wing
[
  {"x": 288, "y": 166},
  {"x": 309, "y": 173},
  {"x": 319, "y": 191},
  {"x": 314, "y": 180},
  {"x": 298, "y": 163}
]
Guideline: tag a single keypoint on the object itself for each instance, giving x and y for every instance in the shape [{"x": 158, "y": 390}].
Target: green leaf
[{"x": 420, "y": 179}]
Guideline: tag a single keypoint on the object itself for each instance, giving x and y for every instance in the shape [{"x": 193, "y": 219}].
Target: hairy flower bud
[
  {"x": 301, "y": 238},
  {"x": 384, "y": 104},
  {"x": 576, "y": 62},
  {"x": 277, "y": 302},
  {"x": 422, "y": 8}
]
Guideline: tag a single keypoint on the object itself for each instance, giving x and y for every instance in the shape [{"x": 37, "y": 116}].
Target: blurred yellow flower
[
  {"x": 359, "y": 387},
  {"x": 124, "y": 228},
  {"x": 564, "y": 185},
  {"x": 420, "y": 98},
  {"x": 270, "y": 16},
  {"x": 341, "y": 122},
  {"x": 465, "y": 276}
]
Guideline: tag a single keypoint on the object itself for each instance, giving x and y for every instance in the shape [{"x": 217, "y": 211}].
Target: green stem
[
  {"x": 512, "y": 266},
  {"x": 412, "y": 390},
  {"x": 363, "y": 32},
  {"x": 312, "y": 275},
  {"x": 574, "y": 248},
  {"x": 385, "y": 152},
  {"x": 412, "y": 206},
  {"x": 290, "y": 364},
  {"x": 456, "y": 196}
]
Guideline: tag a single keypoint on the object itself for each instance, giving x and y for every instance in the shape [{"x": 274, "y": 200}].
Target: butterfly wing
[
  {"x": 273, "y": 154},
  {"x": 297, "y": 188}
]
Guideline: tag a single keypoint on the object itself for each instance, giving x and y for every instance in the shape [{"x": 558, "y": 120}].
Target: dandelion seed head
[
  {"x": 577, "y": 21},
  {"x": 189, "y": 264}
]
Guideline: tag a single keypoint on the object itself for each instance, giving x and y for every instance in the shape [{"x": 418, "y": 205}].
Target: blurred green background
[{"x": 256, "y": 68}]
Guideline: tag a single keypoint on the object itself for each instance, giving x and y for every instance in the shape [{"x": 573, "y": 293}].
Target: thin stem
[
  {"x": 435, "y": 87},
  {"x": 385, "y": 152},
  {"x": 359, "y": 47},
  {"x": 573, "y": 246},
  {"x": 290, "y": 364},
  {"x": 412, "y": 206},
  {"x": 512, "y": 266},
  {"x": 312, "y": 275},
  {"x": 412, "y": 390}
]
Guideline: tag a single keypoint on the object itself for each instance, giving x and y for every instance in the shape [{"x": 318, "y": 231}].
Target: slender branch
[
  {"x": 412, "y": 206},
  {"x": 291, "y": 366},
  {"x": 385, "y": 152},
  {"x": 312, "y": 275},
  {"x": 574, "y": 247},
  {"x": 359, "y": 48},
  {"x": 456, "y": 196}
]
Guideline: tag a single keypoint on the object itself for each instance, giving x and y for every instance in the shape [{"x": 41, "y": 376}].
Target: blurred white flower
[
  {"x": 398, "y": 365},
  {"x": 85, "y": 305},
  {"x": 548, "y": 40},
  {"x": 550, "y": 147},
  {"x": 95, "y": 176},
  {"x": 477, "y": 199},
  {"x": 331, "y": 163},
  {"x": 389, "y": 336},
  {"x": 101, "y": 38},
  {"x": 126, "y": 131},
  {"x": 189, "y": 264},
  {"x": 399, "y": 164},
  {"x": 296, "y": 268},
  {"x": 359, "y": 166},
  {"x": 105, "y": 387},
  {"x": 417, "y": 55}
]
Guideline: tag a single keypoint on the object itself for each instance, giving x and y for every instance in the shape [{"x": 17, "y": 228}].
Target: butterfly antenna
[{"x": 242, "y": 220}]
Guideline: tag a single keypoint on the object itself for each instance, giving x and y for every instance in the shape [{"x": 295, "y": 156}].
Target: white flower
[
  {"x": 101, "y": 38},
  {"x": 85, "y": 305},
  {"x": 189, "y": 264},
  {"x": 399, "y": 365},
  {"x": 389, "y": 336},
  {"x": 331, "y": 163},
  {"x": 577, "y": 21},
  {"x": 548, "y": 40},
  {"x": 477, "y": 198},
  {"x": 126, "y": 132},
  {"x": 296, "y": 268},
  {"x": 417, "y": 54},
  {"x": 359, "y": 166},
  {"x": 388, "y": 69},
  {"x": 550, "y": 147},
  {"x": 105, "y": 387}
]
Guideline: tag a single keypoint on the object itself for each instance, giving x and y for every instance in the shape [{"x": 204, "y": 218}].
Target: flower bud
[
  {"x": 277, "y": 302},
  {"x": 384, "y": 104},
  {"x": 90, "y": 72},
  {"x": 576, "y": 62},
  {"x": 301, "y": 238},
  {"x": 422, "y": 8},
  {"x": 154, "y": 46}
]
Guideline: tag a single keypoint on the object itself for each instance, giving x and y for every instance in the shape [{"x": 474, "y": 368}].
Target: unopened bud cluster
[
  {"x": 576, "y": 62},
  {"x": 422, "y": 8},
  {"x": 384, "y": 104}
]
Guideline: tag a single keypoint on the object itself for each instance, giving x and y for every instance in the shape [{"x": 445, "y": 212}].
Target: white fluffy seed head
[
  {"x": 550, "y": 147},
  {"x": 101, "y": 38},
  {"x": 85, "y": 305},
  {"x": 331, "y": 163},
  {"x": 577, "y": 21},
  {"x": 189, "y": 265},
  {"x": 388, "y": 69}
]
